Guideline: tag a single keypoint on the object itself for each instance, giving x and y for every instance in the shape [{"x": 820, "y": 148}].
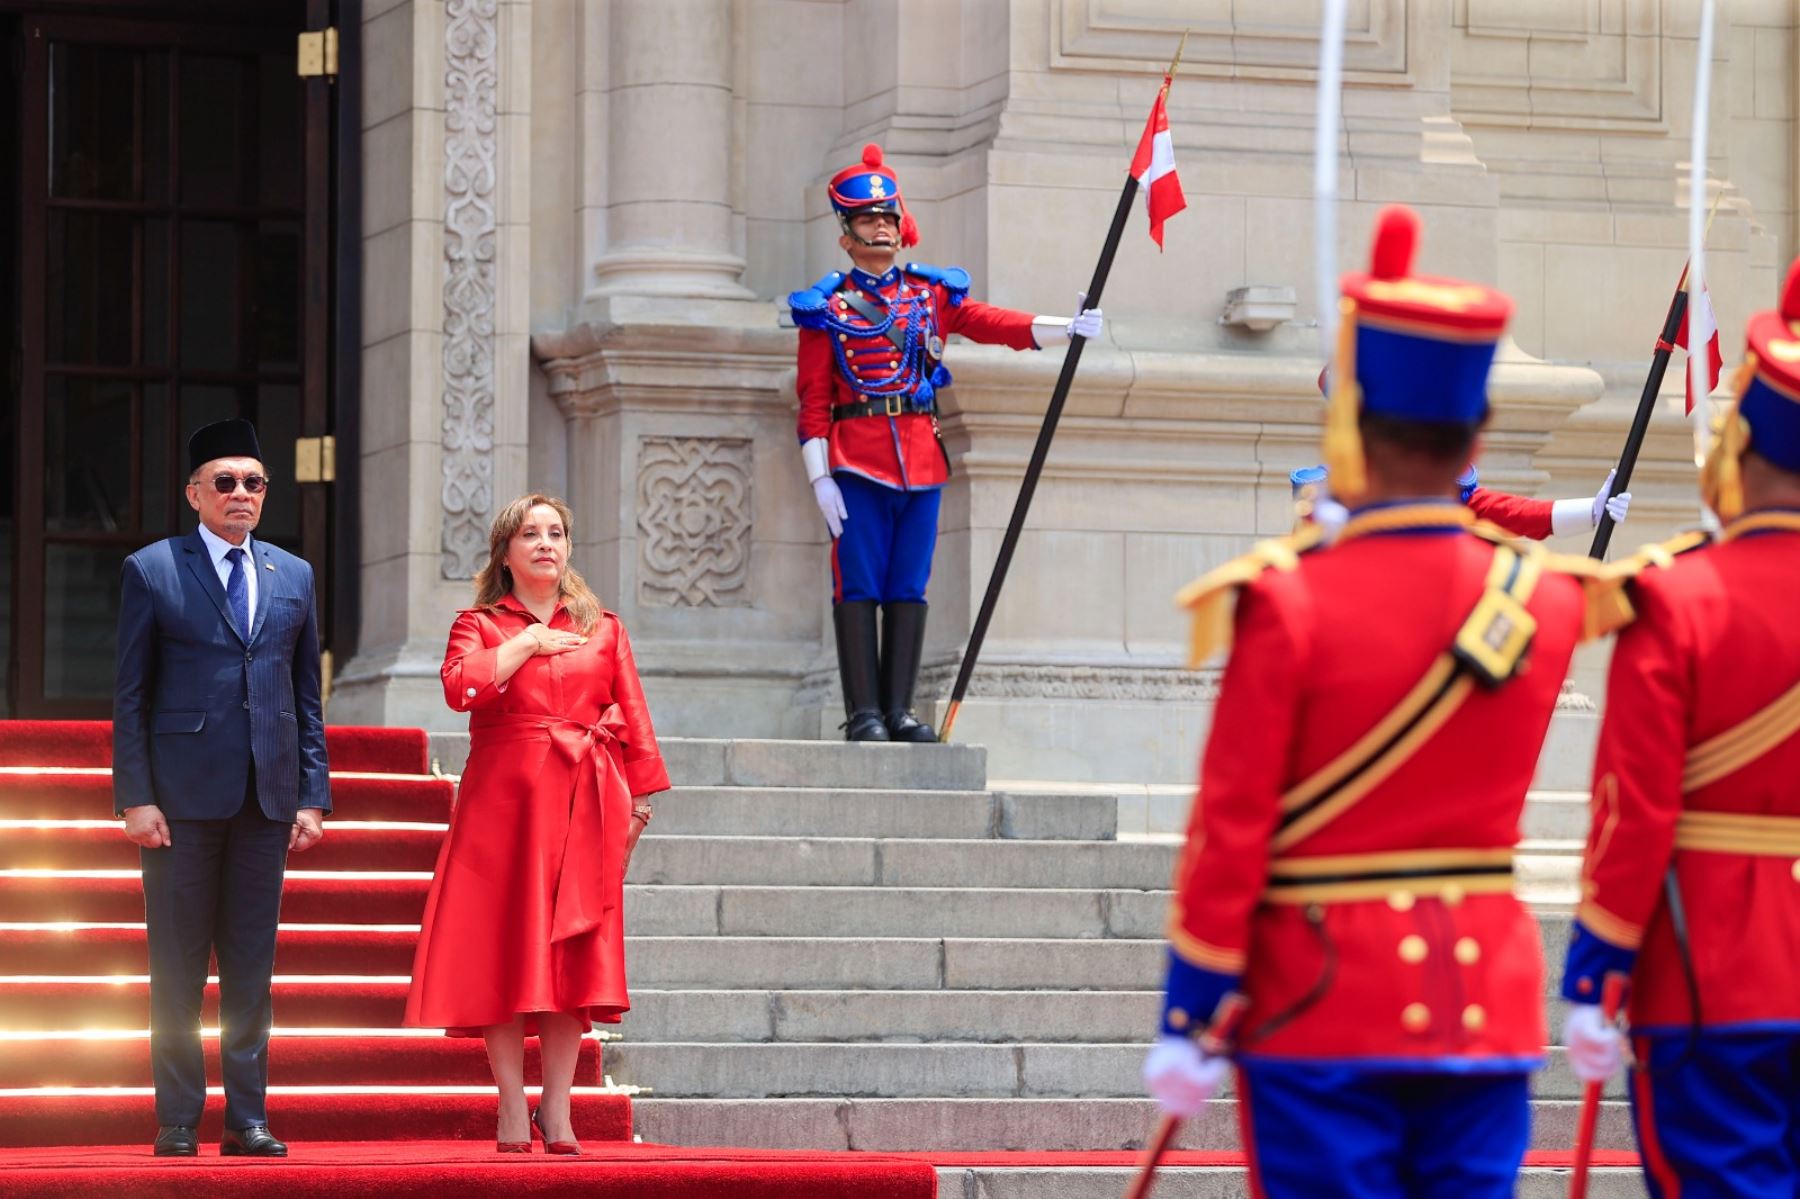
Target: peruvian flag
[
  {"x": 1700, "y": 314},
  {"x": 1153, "y": 166}
]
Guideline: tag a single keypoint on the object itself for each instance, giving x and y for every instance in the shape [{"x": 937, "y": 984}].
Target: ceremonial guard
[
  {"x": 1347, "y": 876},
  {"x": 870, "y": 369},
  {"x": 1691, "y": 881}
]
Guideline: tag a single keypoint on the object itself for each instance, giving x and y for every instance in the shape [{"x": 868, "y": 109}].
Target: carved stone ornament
[
  {"x": 694, "y": 518},
  {"x": 471, "y": 65}
]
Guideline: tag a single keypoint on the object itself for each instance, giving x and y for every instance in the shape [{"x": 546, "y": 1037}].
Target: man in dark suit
[{"x": 219, "y": 771}]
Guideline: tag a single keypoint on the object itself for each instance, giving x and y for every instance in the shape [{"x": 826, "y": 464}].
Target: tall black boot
[
  {"x": 858, "y": 668},
  {"x": 902, "y": 647}
]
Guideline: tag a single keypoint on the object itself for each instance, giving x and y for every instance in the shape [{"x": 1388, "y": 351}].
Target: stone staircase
[{"x": 868, "y": 947}]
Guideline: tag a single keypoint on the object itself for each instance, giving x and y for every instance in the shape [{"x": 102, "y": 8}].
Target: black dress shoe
[
  {"x": 254, "y": 1141},
  {"x": 866, "y": 725},
  {"x": 177, "y": 1140}
]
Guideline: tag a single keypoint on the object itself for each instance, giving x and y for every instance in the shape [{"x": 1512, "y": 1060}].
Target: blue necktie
[{"x": 237, "y": 592}]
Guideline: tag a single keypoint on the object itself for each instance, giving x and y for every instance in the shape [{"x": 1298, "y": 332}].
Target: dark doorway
[{"x": 171, "y": 239}]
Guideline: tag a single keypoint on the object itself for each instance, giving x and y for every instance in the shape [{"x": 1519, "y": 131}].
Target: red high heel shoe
[{"x": 556, "y": 1148}]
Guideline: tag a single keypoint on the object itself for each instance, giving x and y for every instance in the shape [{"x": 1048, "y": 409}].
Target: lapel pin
[{"x": 268, "y": 566}]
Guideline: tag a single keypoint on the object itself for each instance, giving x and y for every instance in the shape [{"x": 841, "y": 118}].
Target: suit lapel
[
  {"x": 200, "y": 565},
  {"x": 265, "y": 587}
]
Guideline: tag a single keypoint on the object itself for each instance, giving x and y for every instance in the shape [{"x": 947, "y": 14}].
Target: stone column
[
  {"x": 445, "y": 337},
  {"x": 670, "y": 222}
]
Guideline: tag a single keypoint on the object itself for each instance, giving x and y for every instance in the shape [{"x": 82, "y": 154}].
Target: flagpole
[
  {"x": 1659, "y": 365},
  {"x": 1047, "y": 431}
]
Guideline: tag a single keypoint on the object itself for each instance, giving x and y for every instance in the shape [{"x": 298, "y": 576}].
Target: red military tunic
[
  {"x": 900, "y": 450},
  {"x": 1714, "y": 645},
  {"x": 1426, "y": 975},
  {"x": 525, "y": 912}
]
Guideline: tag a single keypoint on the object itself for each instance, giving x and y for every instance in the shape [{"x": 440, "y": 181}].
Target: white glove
[
  {"x": 816, "y": 454},
  {"x": 1181, "y": 1078},
  {"x": 1615, "y": 506},
  {"x": 1055, "y": 330},
  {"x": 831, "y": 505},
  {"x": 1330, "y": 516},
  {"x": 1596, "y": 1048}
]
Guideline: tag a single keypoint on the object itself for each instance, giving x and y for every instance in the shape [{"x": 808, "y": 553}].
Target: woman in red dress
[{"x": 524, "y": 928}]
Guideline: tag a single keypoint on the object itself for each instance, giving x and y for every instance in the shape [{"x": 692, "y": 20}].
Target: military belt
[
  {"x": 1738, "y": 832},
  {"x": 1444, "y": 873},
  {"x": 894, "y": 405}
]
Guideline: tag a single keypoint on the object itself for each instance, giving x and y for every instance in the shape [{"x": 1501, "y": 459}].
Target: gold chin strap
[
  {"x": 1342, "y": 444},
  {"x": 1721, "y": 478}
]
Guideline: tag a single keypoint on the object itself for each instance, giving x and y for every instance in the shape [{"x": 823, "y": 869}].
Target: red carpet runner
[{"x": 371, "y": 1110}]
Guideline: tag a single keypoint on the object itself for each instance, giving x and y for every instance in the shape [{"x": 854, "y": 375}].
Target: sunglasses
[{"x": 226, "y": 484}]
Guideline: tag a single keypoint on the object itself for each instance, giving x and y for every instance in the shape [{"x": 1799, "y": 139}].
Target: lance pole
[
  {"x": 1034, "y": 469},
  {"x": 1646, "y": 407}
]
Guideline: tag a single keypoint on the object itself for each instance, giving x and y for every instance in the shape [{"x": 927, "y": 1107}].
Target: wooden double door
[{"x": 168, "y": 252}]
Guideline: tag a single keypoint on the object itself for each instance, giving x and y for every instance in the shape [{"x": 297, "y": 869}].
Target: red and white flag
[
  {"x": 1153, "y": 166},
  {"x": 1700, "y": 316}
]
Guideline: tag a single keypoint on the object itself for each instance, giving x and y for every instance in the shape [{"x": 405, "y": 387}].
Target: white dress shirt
[{"x": 218, "y": 547}]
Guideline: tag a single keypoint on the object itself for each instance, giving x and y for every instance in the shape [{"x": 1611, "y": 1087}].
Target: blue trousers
[
  {"x": 1318, "y": 1130},
  {"x": 215, "y": 890},
  {"x": 1721, "y": 1122},
  {"x": 889, "y": 537}
]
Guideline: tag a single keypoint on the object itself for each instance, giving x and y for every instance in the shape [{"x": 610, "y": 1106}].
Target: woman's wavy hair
[{"x": 494, "y": 582}]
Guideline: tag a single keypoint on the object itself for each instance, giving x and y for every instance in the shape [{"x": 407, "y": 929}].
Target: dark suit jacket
[{"x": 195, "y": 702}]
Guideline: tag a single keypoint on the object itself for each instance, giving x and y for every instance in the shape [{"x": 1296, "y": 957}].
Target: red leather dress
[{"x": 526, "y": 910}]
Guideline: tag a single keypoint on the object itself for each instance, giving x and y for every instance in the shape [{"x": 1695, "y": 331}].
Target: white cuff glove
[
  {"x": 1180, "y": 1078},
  {"x": 1330, "y": 516},
  {"x": 816, "y": 454},
  {"x": 1615, "y": 506},
  {"x": 1596, "y": 1048},
  {"x": 1055, "y": 330}
]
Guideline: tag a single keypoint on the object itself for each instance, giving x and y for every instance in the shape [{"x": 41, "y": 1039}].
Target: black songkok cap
[{"x": 224, "y": 439}]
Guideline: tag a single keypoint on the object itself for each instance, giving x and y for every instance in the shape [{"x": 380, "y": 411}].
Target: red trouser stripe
[
  {"x": 1247, "y": 1134},
  {"x": 1655, "y": 1164}
]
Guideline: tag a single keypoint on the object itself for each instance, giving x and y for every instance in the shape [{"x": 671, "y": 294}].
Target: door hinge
[
  {"x": 315, "y": 459},
  {"x": 318, "y": 53}
]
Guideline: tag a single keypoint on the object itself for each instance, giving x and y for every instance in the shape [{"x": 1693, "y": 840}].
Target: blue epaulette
[
  {"x": 812, "y": 305},
  {"x": 953, "y": 279}
]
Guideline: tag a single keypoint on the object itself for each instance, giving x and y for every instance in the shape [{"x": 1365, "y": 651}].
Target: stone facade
[{"x": 657, "y": 188}]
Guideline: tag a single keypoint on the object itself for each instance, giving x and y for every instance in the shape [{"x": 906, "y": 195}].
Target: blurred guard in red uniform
[
  {"x": 871, "y": 365},
  {"x": 1346, "y": 870},
  {"x": 1691, "y": 883}
]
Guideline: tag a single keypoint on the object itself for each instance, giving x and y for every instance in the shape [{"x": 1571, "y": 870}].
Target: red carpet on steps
[
  {"x": 350, "y": 748},
  {"x": 453, "y": 1171}
]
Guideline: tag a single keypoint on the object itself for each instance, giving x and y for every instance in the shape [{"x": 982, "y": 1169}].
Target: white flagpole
[
  {"x": 1325, "y": 172},
  {"x": 1697, "y": 356}
]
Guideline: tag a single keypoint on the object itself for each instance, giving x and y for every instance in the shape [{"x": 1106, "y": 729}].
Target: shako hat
[
  {"x": 871, "y": 186},
  {"x": 1414, "y": 347}
]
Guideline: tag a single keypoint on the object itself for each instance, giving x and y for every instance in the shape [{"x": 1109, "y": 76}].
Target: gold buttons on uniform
[
  {"x": 1415, "y": 1018},
  {"x": 1453, "y": 895},
  {"x": 1468, "y": 952},
  {"x": 1474, "y": 1017},
  {"x": 1797, "y": 870},
  {"x": 843, "y": 337},
  {"x": 1401, "y": 901},
  {"x": 1413, "y": 948},
  {"x": 1178, "y": 1019}
]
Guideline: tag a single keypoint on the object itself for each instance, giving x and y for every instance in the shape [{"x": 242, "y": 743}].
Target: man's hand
[
  {"x": 1596, "y": 1047},
  {"x": 144, "y": 825},
  {"x": 1181, "y": 1079},
  {"x": 308, "y": 830}
]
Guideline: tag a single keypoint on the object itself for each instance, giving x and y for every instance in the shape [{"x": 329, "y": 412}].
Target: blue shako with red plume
[
  {"x": 871, "y": 186},
  {"x": 1771, "y": 399},
  {"x": 1423, "y": 343},
  {"x": 1414, "y": 347}
]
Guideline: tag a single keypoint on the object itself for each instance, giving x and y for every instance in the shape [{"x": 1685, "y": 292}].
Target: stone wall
[{"x": 671, "y": 155}]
